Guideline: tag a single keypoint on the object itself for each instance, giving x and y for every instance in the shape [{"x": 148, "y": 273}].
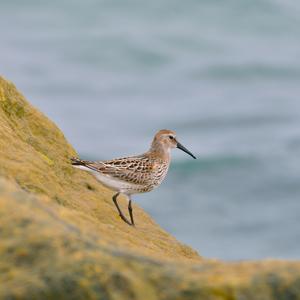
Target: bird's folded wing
[{"x": 137, "y": 170}]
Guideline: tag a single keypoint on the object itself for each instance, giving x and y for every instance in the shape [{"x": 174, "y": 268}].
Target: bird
[{"x": 135, "y": 174}]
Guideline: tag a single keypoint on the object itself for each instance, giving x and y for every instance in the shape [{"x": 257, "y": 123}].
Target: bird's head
[{"x": 167, "y": 140}]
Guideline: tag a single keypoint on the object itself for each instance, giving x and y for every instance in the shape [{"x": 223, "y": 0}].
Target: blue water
[{"x": 224, "y": 75}]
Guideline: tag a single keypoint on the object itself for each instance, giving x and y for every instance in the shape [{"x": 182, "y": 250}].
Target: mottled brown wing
[{"x": 137, "y": 170}]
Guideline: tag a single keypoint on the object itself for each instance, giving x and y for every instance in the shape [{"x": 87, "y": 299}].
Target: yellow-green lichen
[{"x": 61, "y": 237}]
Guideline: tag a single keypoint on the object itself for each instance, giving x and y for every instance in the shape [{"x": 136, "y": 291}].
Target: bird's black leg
[
  {"x": 119, "y": 210},
  {"x": 130, "y": 212}
]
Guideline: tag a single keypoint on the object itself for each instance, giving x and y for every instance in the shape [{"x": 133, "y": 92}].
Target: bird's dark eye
[{"x": 171, "y": 137}]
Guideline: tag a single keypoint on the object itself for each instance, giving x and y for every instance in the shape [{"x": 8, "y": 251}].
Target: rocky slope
[{"x": 61, "y": 237}]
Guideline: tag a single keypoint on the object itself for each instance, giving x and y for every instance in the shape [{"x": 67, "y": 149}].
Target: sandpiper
[{"x": 135, "y": 174}]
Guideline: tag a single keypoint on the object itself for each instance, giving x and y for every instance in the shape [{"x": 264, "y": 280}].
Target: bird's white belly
[{"x": 113, "y": 183}]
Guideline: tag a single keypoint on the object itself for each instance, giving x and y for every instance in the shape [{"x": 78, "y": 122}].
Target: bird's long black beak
[{"x": 179, "y": 146}]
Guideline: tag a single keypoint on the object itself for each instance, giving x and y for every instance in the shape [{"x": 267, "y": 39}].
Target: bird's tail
[{"x": 77, "y": 162}]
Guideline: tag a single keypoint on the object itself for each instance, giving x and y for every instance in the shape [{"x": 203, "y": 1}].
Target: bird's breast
[{"x": 160, "y": 172}]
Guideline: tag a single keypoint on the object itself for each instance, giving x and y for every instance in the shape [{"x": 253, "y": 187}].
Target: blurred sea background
[{"x": 224, "y": 74}]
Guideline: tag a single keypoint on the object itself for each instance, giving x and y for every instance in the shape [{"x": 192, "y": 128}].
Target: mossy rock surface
[{"x": 61, "y": 237}]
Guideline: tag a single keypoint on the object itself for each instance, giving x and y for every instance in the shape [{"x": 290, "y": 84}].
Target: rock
[{"x": 61, "y": 237}]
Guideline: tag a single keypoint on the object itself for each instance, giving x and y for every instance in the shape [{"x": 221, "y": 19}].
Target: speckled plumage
[
  {"x": 142, "y": 173},
  {"x": 135, "y": 174}
]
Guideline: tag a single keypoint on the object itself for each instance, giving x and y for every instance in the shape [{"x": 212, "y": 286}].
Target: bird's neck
[{"x": 159, "y": 151}]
